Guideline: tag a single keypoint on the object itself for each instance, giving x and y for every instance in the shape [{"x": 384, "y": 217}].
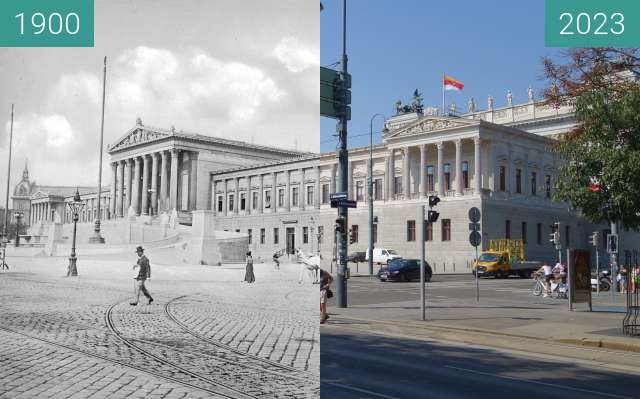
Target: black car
[
  {"x": 357, "y": 257},
  {"x": 404, "y": 270}
]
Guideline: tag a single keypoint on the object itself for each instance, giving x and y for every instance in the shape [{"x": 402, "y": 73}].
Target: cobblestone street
[{"x": 206, "y": 335}]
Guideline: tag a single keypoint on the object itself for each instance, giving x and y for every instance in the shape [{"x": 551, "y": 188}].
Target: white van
[{"x": 383, "y": 255}]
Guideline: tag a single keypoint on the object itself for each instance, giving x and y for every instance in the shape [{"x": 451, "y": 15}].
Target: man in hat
[{"x": 144, "y": 273}]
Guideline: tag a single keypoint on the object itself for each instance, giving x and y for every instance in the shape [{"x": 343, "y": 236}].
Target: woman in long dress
[{"x": 249, "y": 277}]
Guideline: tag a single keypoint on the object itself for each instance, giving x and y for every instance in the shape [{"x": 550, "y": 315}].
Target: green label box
[{"x": 46, "y": 23}]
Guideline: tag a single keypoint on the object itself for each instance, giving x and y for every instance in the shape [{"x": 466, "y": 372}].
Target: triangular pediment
[
  {"x": 432, "y": 124},
  {"x": 136, "y": 136},
  {"x": 39, "y": 194}
]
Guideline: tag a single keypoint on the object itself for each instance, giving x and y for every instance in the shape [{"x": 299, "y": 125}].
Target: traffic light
[
  {"x": 341, "y": 226},
  {"x": 352, "y": 236},
  {"x": 554, "y": 237},
  {"x": 594, "y": 239},
  {"x": 433, "y": 200},
  {"x": 432, "y": 216}
]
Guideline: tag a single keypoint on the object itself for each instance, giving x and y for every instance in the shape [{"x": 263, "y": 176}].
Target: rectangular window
[
  {"x": 354, "y": 232},
  {"x": 503, "y": 178},
  {"x": 567, "y": 241},
  {"x": 276, "y": 235},
  {"x": 219, "y": 203},
  {"x": 262, "y": 236},
  {"x": 377, "y": 189},
  {"x": 254, "y": 200},
  {"x": 320, "y": 234},
  {"x": 507, "y": 229},
  {"x": 243, "y": 201},
  {"x": 429, "y": 233},
  {"x": 375, "y": 233},
  {"x": 310, "y": 194},
  {"x": 539, "y": 234},
  {"x": 524, "y": 232},
  {"x": 519, "y": 181},
  {"x": 547, "y": 186},
  {"x": 446, "y": 229},
  {"x": 305, "y": 235},
  {"x": 294, "y": 195},
  {"x": 398, "y": 184},
  {"x": 267, "y": 199},
  {"x": 360, "y": 190},
  {"x": 250, "y": 235},
  {"x": 430, "y": 179},
  {"x": 465, "y": 174},
  {"x": 325, "y": 193},
  {"x": 411, "y": 230},
  {"x": 231, "y": 202},
  {"x": 534, "y": 182},
  {"x": 447, "y": 177},
  {"x": 280, "y": 197}
]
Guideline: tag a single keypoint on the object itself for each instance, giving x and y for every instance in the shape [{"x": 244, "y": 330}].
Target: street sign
[
  {"x": 474, "y": 214},
  {"x": 338, "y": 196},
  {"x": 347, "y": 204},
  {"x": 475, "y": 238},
  {"x": 474, "y": 226},
  {"x": 335, "y": 95}
]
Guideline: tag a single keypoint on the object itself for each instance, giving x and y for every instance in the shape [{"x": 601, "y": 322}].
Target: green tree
[{"x": 605, "y": 146}]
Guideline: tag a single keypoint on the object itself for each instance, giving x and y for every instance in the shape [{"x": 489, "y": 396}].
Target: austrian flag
[{"x": 452, "y": 84}]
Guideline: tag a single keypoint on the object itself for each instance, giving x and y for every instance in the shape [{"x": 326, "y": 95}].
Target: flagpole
[{"x": 442, "y": 93}]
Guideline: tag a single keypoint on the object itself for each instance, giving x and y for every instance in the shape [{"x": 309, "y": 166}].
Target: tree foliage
[{"x": 602, "y": 84}]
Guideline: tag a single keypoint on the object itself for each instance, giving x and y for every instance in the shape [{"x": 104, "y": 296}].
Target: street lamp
[
  {"x": 19, "y": 216},
  {"x": 370, "y": 191},
  {"x": 75, "y": 206}
]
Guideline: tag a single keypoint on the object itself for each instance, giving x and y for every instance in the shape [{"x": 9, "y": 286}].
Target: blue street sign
[
  {"x": 338, "y": 196},
  {"x": 347, "y": 203}
]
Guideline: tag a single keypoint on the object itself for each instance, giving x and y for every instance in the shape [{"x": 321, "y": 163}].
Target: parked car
[
  {"x": 357, "y": 257},
  {"x": 404, "y": 270},
  {"x": 383, "y": 255}
]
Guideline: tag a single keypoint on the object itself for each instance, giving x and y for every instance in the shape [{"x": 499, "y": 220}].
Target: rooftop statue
[{"x": 416, "y": 104}]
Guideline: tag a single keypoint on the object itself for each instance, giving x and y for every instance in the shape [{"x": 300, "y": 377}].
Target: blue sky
[{"x": 395, "y": 47}]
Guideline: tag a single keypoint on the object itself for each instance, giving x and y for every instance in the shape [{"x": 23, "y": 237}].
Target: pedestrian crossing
[{"x": 506, "y": 286}]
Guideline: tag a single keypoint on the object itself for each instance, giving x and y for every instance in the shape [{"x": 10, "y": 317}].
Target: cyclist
[
  {"x": 548, "y": 276},
  {"x": 561, "y": 271}
]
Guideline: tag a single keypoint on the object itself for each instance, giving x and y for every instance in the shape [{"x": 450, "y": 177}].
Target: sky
[
  {"x": 394, "y": 47},
  {"x": 244, "y": 70}
]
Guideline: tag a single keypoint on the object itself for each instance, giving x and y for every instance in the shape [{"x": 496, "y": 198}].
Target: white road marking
[
  {"x": 547, "y": 384},
  {"x": 349, "y": 388}
]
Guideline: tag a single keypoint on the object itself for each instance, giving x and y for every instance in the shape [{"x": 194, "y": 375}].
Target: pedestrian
[
  {"x": 249, "y": 277},
  {"x": 144, "y": 273},
  {"x": 277, "y": 255},
  {"x": 325, "y": 293},
  {"x": 622, "y": 278}
]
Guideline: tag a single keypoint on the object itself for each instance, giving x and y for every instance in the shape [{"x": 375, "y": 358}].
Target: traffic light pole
[
  {"x": 614, "y": 265},
  {"x": 343, "y": 164}
]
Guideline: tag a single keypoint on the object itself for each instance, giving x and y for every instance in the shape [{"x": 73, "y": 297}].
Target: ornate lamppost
[
  {"x": 75, "y": 206},
  {"x": 19, "y": 216}
]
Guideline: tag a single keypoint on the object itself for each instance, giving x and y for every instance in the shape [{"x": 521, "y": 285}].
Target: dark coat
[{"x": 145, "y": 269}]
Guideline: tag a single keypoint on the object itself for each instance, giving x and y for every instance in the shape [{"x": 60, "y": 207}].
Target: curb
[{"x": 590, "y": 342}]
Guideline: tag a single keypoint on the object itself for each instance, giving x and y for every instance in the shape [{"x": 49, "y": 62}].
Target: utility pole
[
  {"x": 343, "y": 164},
  {"x": 97, "y": 238}
]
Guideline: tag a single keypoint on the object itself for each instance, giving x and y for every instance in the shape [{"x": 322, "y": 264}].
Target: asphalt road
[{"x": 356, "y": 365}]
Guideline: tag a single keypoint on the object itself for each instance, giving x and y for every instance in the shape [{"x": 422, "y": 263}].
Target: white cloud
[{"x": 295, "y": 56}]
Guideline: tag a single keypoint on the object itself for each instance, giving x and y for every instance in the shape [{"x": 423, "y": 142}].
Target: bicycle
[{"x": 559, "y": 289}]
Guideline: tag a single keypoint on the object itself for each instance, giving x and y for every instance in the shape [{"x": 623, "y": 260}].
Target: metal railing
[{"x": 631, "y": 321}]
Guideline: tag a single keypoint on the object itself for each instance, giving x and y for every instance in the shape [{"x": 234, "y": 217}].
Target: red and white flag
[{"x": 450, "y": 83}]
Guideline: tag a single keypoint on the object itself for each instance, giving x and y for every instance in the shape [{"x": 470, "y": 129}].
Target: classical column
[
  {"x": 145, "y": 185},
  {"x": 458, "y": 167},
  {"x": 260, "y": 193},
  {"x": 526, "y": 186},
  {"x": 135, "y": 198},
  {"x": 47, "y": 212},
  {"x": 332, "y": 184},
  {"x": 477, "y": 167},
  {"x": 154, "y": 183},
  {"x": 127, "y": 178},
  {"x": 423, "y": 174},
  {"x": 316, "y": 192},
  {"x": 120, "y": 193},
  {"x": 302, "y": 195},
  {"x": 274, "y": 192},
  {"x": 287, "y": 191},
  {"x": 112, "y": 190},
  {"x": 392, "y": 175},
  {"x": 162, "y": 197},
  {"x": 236, "y": 199},
  {"x": 350, "y": 189},
  {"x": 385, "y": 185},
  {"x": 174, "y": 180},
  {"x": 509, "y": 176},
  {"x": 185, "y": 165},
  {"x": 405, "y": 173},
  {"x": 225, "y": 200},
  {"x": 440, "y": 147}
]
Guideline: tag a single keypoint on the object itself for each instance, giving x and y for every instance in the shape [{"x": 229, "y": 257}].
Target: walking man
[{"x": 144, "y": 273}]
